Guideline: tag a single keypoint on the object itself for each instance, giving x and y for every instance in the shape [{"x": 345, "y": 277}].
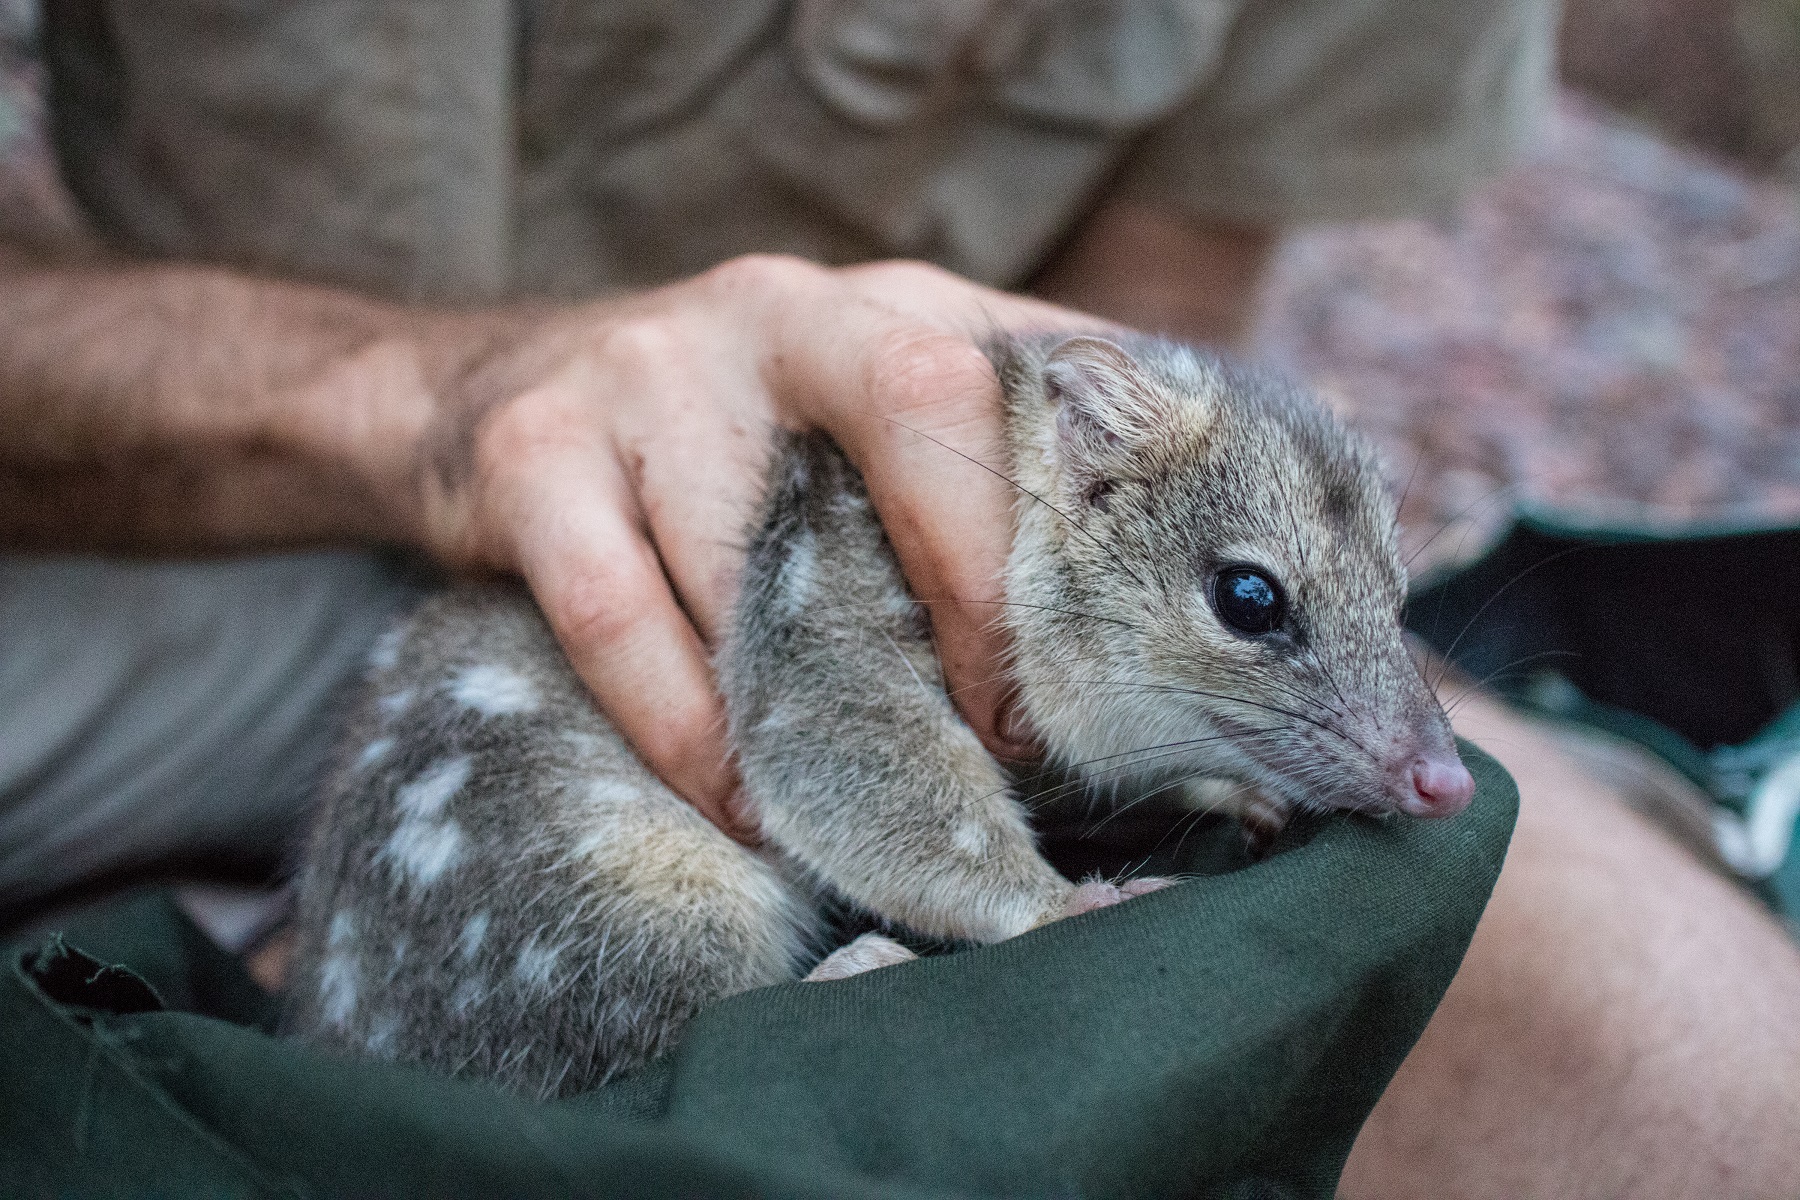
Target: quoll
[{"x": 1203, "y": 592}]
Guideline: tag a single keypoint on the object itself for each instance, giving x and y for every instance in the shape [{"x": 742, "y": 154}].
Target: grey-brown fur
[
  {"x": 480, "y": 791},
  {"x": 517, "y": 925},
  {"x": 1216, "y": 465}
]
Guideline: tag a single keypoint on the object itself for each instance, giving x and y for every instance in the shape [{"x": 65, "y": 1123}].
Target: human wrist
[
  {"x": 385, "y": 413},
  {"x": 356, "y": 418}
]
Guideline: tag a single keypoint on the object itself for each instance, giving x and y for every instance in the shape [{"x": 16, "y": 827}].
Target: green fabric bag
[
  {"x": 1684, "y": 642},
  {"x": 1225, "y": 1038}
]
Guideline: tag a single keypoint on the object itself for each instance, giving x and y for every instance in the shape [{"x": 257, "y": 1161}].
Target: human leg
[
  {"x": 153, "y": 710},
  {"x": 1626, "y": 1023}
]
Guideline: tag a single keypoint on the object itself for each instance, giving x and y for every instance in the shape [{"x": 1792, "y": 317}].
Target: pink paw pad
[{"x": 1098, "y": 893}]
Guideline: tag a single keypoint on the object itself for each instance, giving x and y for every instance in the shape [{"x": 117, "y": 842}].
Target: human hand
[{"x": 613, "y": 453}]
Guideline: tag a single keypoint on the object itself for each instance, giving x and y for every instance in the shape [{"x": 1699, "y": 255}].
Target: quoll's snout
[{"x": 1435, "y": 784}]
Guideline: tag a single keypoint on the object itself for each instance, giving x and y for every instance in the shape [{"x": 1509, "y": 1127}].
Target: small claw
[
  {"x": 1095, "y": 893},
  {"x": 1262, "y": 820},
  {"x": 1098, "y": 893}
]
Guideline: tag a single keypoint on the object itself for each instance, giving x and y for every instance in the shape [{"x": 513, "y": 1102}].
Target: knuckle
[
  {"x": 763, "y": 273},
  {"x": 904, "y": 274},
  {"x": 600, "y": 609},
  {"x": 634, "y": 343},
  {"x": 924, "y": 371}
]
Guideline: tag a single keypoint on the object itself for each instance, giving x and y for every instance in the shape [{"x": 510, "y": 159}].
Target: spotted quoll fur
[{"x": 496, "y": 886}]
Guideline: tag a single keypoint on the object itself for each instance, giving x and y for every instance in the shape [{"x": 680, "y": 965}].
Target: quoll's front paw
[
  {"x": 1261, "y": 816},
  {"x": 866, "y": 953},
  {"x": 1099, "y": 893}
]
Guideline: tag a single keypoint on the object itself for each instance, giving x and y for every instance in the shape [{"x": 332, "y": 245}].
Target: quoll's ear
[{"x": 1105, "y": 405}]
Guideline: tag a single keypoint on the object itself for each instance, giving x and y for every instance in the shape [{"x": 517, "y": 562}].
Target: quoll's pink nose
[{"x": 1441, "y": 787}]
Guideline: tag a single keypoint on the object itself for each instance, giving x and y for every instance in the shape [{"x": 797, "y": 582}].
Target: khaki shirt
[{"x": 465, "y": 150}]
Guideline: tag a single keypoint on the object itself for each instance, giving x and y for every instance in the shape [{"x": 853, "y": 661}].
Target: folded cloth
[{"x": 1224, "y": 1038}]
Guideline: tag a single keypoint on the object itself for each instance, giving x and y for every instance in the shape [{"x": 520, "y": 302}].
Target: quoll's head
[{"x": 1208, "y": 583}]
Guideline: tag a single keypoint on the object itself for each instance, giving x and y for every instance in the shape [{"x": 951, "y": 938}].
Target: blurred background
[
  {"x": 1606, "y": 335},
  {"x": 1611, "y": 329}
]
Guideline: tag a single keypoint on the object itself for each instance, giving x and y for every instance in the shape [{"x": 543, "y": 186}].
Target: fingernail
[
  {"x": 1013, "y": 726},
  {"x": 746, "y": 823}
]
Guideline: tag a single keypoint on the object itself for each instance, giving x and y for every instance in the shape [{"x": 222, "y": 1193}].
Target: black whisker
[
  {"x": 1449, "y": 655},
  {"x": 1444, "y": 526},
  {"x": 1073, "y": 524},
  {"x": 1325, "y": 669},
  {"x": 1277, "y": 709},
  {"x": 1288, "y": 688},
  {"x": 1502, "y": 671}
]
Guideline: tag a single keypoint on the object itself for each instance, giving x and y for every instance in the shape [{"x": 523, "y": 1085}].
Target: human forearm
[
  {"x": 609, "y": 453},
  {"x": 156, "y": 407}
]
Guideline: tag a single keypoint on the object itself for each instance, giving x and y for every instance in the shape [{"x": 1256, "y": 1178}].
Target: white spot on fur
[
  {"x": 342, "y": 932},
  {"x": 494, "y": 691},
  {"x": 386, "y": 652},
  {"x": 422, "y": 846},
  {"x": 466, "y": 995},
  {"x": 605, "y": 799},
  {"x": 971, "y": 837},
  {"x": 798, "y": 576},
  {"x": 337, "y": 989},
  {"x": 474, "y": 932},
  {"x": 535, "y": 964},
  {"x": 374, "y": 752},
  {"x": 424, "y": 850},
  {"x": 395, "y": 703},
  {"x": 382, "y": 1033},
  {"x": 425, "y": 797},
  {"x": 582, "y": 742}
]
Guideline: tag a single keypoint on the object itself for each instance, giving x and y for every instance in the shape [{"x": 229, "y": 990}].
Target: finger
[
  {"x": 971, "y": 639},
  {"x": 917, "y": 411},
  {"x": 697, "y": 472},
  {"x": 604, "y": 593}
]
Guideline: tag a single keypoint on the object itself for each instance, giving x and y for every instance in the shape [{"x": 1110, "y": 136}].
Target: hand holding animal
[{"x": 1203, "y": 593}]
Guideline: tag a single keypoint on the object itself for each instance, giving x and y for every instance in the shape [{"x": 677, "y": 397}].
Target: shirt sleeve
[{"x": 1325, "y": 110}]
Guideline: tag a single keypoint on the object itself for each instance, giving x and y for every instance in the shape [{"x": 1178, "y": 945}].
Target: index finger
[{"x": 914, "y": 403}]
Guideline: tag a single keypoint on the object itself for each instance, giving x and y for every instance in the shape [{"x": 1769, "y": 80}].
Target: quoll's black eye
[{"x": 1248, "y": 601}]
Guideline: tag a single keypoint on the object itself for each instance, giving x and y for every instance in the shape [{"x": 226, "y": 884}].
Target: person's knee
[{"x": 1626, "y": 1022}]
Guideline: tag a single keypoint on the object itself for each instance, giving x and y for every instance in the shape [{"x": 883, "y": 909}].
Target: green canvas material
[
  {"x": 1686, "y": 642},
  {"x": 1224, "y": 1038}
]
